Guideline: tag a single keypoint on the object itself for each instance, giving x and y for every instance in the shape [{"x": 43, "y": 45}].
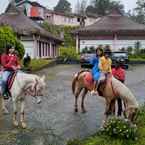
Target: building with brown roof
[
  {"x": 115, "y": 30},
  {"x": 39, "y": 13},
  {"x": 38, "y": 43},
  {"x": 57, "y": 18}
]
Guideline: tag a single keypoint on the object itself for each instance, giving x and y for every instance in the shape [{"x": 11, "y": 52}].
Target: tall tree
[
  {"x": 102, "y": 7},
  {"x": 63, "y": 6},
  {"x": 116, "y": 4},
  {"x": 140, "y": 11},
  {"x": 7, "y": 36},
  {"x": 91, "y": 10},
  {"x": 77, "y": 7},
  {"x": 81, "y": 7}
]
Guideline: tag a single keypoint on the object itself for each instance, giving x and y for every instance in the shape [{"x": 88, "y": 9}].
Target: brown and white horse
[{"x": 109, "y": 90}]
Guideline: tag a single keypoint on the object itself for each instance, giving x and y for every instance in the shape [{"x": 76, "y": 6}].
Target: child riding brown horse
[{"x": 109, "y": 90}]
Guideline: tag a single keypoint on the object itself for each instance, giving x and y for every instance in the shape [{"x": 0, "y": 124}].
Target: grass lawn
[
  {"x": 37, "y": 64},
  {"x": 101, "y": 139},
  {"x": 136, "y": 59}
]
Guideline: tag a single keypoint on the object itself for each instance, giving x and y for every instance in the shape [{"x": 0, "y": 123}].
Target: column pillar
[
  {"x": 50, "y": 44},
  {"x": 41, "y": 49},
  {"x": 77, "y": 44},
  {"x": 115, "y": 42}
]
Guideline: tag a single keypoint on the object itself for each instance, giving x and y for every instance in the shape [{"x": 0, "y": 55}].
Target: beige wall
[
  {"x": 57, "y": 19},
  {"x": 39, "y": 48},
  {"x": 114, "y": 44}
]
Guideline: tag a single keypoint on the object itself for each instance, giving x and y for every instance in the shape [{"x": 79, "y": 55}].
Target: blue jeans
[{"x": 5, "y": 76}]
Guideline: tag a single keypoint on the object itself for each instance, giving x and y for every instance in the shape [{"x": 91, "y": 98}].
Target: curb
[{"x": 136, "y": 62}]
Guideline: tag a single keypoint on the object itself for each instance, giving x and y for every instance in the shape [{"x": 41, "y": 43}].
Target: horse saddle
[{"x": 89, "y": 82}]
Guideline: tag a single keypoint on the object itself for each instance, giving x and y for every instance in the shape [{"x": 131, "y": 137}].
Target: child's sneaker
[
  {"x": 93, "y": 92},
  {"x": 6, "y": 96}
]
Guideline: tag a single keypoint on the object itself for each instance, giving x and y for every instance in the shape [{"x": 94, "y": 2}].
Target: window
[
  {"x": 119, "y": 54},
  {"x": 40, "y": 49}
]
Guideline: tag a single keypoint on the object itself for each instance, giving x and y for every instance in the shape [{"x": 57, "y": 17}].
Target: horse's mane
[
  {"x": 125, "y": 93},
  {"x": 84, "y": 70},
  {"x": 26, "y": 79},
  {"x": 26, "y": 75}
]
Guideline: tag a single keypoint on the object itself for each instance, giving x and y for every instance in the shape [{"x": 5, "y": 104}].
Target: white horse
[{"x": 24, "y": 85}]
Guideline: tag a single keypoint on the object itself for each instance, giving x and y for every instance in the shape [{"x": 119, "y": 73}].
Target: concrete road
[{"x": 53, "y": 121}]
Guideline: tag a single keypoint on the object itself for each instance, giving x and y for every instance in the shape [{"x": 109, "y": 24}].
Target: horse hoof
[
  {"x": 38, "y": 100},
  {"x": 84, "y": 111},
  {"x": 5, "y": 111},
  {"x": 76, "y": 110},
  {"x": 23, "y": 124},
  {"x": 15, "y": 123}
]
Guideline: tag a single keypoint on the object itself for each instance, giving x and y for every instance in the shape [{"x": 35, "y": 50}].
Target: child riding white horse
[{"x": 24, "y": 85}]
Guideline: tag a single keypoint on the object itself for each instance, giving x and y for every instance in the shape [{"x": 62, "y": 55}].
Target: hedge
[{"x": 118, "y": 132}]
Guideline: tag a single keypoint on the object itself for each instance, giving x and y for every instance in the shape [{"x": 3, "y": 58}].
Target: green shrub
[
  {"x": 120, "y": 128},
  {"x": 142, "y": 51},
  {"x": 140, "y": 121},
  {"x": 85, "y": 50},
  {"x": 89, "y": 49},
  {"x": 114, "y": 137},
  {"x": 92, "y": 49},
  {"x": 69, "y": 40},
  {"x": 74, "y": 142},
  {"x": 20, "y": 48},
  {"x": 129, "y": 50},
  {"x": 7, "y": 36},
  {"x": 137, "y": 57},
  {"x": 142, "y": 56},
  {"x": 37, "y": 64},
  {"x": 68, "y": 53}
]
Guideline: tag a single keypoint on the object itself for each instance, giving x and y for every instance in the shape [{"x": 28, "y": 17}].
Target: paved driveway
[{"x": 53, "y": 121}]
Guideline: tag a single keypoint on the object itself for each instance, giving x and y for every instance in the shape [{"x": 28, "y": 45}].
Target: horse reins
[{"x": 31, "y": 92}]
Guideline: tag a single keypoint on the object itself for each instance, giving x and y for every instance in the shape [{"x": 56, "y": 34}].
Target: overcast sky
[{"x": 129, "y": 4}]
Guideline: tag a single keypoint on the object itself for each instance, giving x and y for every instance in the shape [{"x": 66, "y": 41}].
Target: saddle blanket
[{"x": 88, "y": 80}]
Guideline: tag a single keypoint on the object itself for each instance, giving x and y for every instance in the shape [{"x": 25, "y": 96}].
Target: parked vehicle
[
  {"x": 120, "y": 55},
  {"x": 84, "y": 59}
]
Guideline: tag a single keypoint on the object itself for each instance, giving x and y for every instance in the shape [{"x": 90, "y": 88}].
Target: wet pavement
[{"x": 53, "y": 121}]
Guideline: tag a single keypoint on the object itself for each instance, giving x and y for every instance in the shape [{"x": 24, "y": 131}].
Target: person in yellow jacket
[
  {"x": 105, "y": 64},
  {"x": 105, "y": 69}
]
